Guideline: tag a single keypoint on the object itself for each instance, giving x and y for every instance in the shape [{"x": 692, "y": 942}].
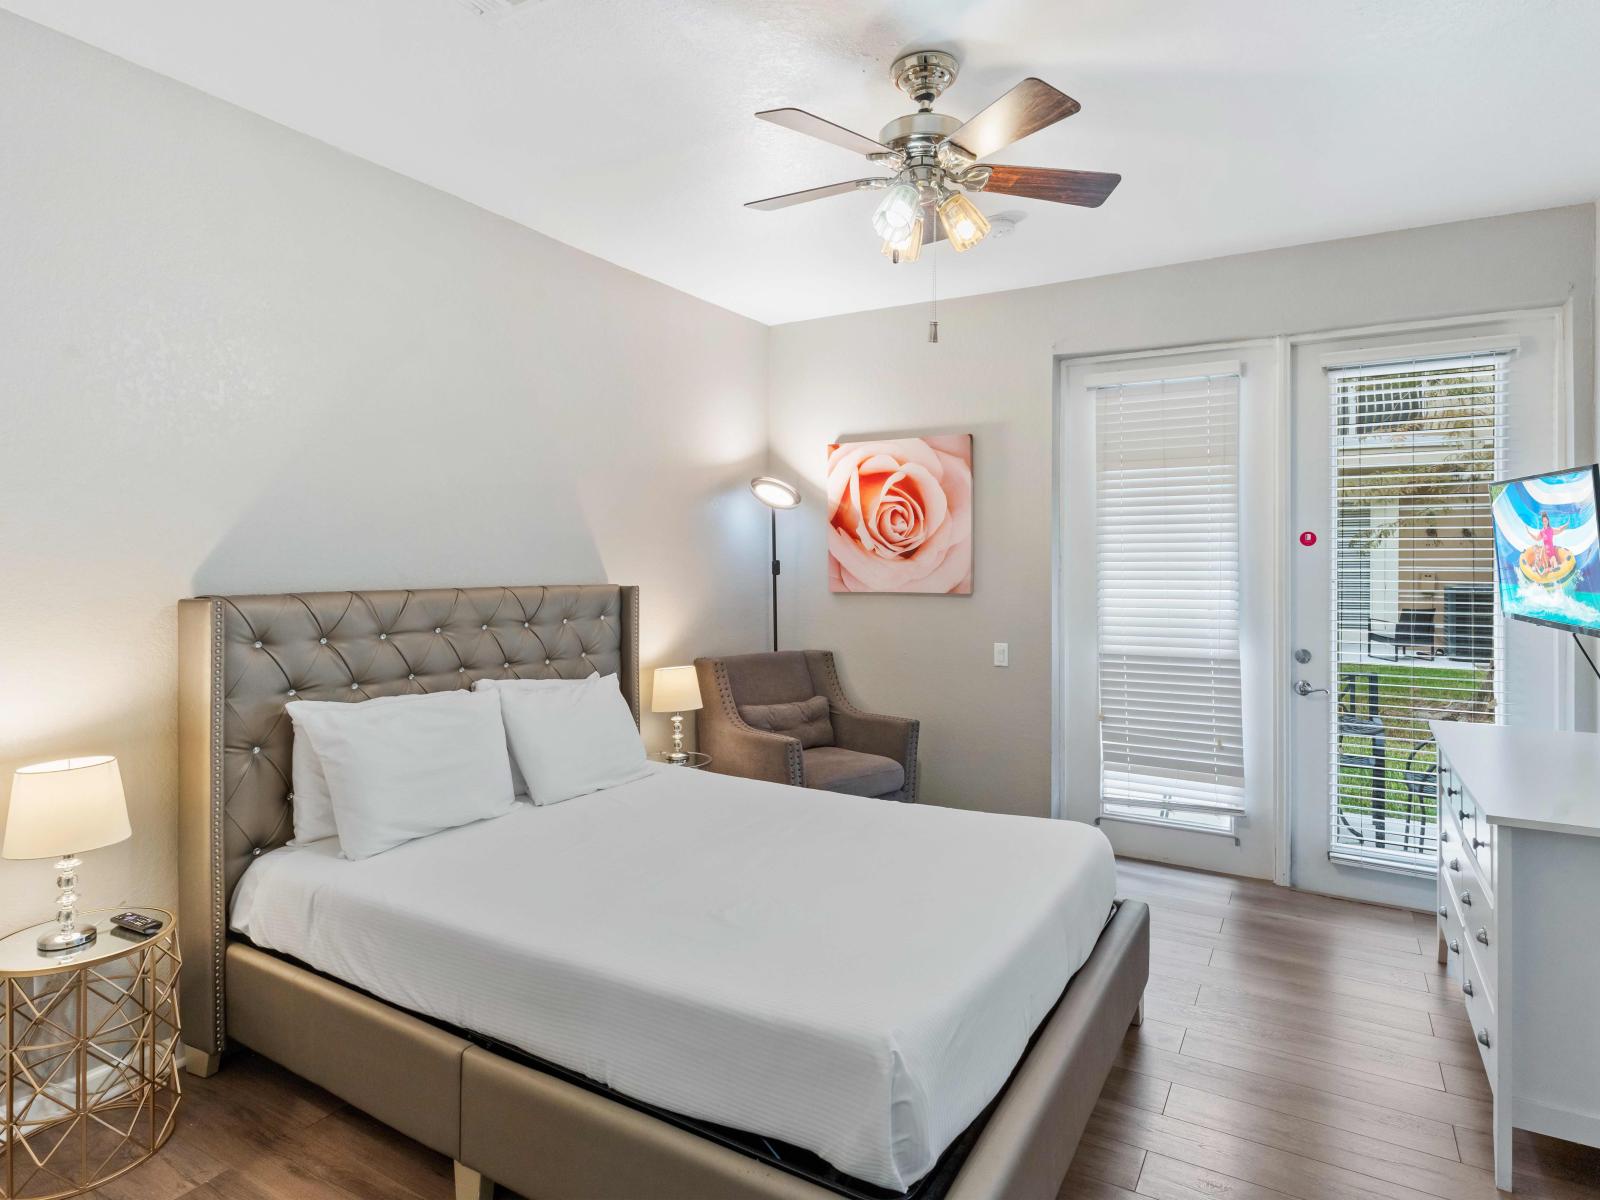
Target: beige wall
[
  {"x": 987, "y": 731},
  {"x": 233, "y": 359}
]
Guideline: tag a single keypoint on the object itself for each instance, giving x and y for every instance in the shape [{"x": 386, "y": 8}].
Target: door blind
[
  {"x": 1167, "y": 554},
  {"x": 1416, "y": 629}
]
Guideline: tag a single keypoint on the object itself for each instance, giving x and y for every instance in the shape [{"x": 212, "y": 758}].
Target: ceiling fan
[{"x": 934, "y": 159}]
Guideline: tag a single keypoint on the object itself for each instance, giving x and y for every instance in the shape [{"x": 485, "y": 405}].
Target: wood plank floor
[{"x": 1294, "y": 1047}]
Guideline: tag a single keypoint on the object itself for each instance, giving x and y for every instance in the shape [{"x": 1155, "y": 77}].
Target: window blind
[
  {"x": 1415, "y": 623},
  {"x": 1167, "y": 556}
]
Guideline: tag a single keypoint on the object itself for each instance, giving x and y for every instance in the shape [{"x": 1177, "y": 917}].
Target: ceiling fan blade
[
  {"x": 816, "y": 193},
  {"x": 801, "y": 121},
  {"x": 1086, "y": 188},
  {"x": 1027, "y": 108}
]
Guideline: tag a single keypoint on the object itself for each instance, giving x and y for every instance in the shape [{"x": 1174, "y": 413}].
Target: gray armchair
[{"x": 783, "y": 717}]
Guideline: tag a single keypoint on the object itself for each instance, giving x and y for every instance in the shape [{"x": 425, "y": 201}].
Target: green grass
[{"x": 1409, "y": 695}]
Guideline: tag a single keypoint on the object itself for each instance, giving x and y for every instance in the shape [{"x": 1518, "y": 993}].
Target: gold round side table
[{"x": 91, "y": 1040}]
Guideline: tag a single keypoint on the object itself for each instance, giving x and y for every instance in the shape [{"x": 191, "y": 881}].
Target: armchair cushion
[
  {"x": 806, "y": 720},
  {"x": 835, "y": 769}
]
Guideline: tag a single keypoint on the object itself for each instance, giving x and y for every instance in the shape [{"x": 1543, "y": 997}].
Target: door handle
[{"x": 1302, "y": 688}]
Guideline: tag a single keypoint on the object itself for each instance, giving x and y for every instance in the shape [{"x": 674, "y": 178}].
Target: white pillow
[
  {"x": 572, "y": 741},
  {"x": 313, "y": 806},
  {"x": 518, "y": 783},
  {"x": 402, "y": 771}
]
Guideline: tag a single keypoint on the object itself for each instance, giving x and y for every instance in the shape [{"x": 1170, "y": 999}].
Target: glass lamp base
[
  {"x": 67, "y": 939},
  {"x": 676, "y": 757}
]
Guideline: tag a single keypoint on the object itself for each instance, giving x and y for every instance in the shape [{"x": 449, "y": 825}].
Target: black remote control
[{"x": 137, "y": 923}]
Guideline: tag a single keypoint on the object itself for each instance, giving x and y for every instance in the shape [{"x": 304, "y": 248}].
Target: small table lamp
[
  {"x": 677, "y": 691},
  {"x": 59, "y": 809}
]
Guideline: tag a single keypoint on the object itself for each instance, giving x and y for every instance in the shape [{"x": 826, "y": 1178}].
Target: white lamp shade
[
  {"x": 677, "y": 689},
  {"x": 65, "y": 807},
  {"x": 775, "y": 493}
]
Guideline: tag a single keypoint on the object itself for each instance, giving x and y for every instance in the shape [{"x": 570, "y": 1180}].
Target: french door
[{"x": 1394, "y": 619}]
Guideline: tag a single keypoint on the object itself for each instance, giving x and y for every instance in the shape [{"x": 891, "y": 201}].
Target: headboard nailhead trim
[{"x": 218, "y": 904}]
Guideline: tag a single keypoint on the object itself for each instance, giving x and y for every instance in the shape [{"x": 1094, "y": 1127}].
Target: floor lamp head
[{"x": 775, "y": 494}]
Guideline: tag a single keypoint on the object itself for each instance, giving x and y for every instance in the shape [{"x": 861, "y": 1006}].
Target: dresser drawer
[
  {"x": 1480, "y": 1012},
  {"x": 1450, "y": 931},
  {"x": 1469, "y": 912},
  {"x": 1470, "y": 835}
]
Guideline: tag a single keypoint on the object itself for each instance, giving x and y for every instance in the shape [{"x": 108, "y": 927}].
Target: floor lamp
[{"x": 775, "y": 494}]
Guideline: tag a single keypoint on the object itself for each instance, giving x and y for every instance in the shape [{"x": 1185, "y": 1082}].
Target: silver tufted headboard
[{"x": 242, "y": 658}]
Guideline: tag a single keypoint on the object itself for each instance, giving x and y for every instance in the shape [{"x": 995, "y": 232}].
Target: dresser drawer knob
[
  {"x": 1444, "y": 836},
  {"x": 1483, "y": 1036},
  {"x": 1466, "y": 987},
  {"x": 1455, "y": 946},
  {"x": 1466, "y": 898},
  {"x": 1453, "y": 792},
  {"x": 1443, "y": 911},
  {"x": 1462, "y": 813},
  {"x": 1455, "y": 865},
  {"x": 1478, "y": 843},
  {"x": 1482, "y": 935}
]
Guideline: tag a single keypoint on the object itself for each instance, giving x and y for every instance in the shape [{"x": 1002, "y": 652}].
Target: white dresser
[{"x": 1519, "y": 920}]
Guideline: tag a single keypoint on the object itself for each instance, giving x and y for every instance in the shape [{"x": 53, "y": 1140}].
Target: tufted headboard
[{"x": 242, "y": 658}]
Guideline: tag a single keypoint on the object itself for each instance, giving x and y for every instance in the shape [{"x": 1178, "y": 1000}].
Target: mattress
[{"x": 852, "y": 976}]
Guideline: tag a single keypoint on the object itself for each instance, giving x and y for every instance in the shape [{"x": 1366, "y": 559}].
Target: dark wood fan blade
[
  {"x": 816, "y": 193},
  {"x": 1086, "y": 188},
  {"x": 1026, "y": 108},
  {"x": 801, "y": 121}
]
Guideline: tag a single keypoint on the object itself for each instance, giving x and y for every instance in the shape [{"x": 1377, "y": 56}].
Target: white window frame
[{"x": 1249, "y": 848}]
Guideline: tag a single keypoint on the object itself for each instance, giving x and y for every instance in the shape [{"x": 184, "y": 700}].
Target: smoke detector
[{"x": 1004, "y": 224}]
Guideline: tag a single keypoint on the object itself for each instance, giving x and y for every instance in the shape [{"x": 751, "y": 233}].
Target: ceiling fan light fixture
[
  {"x": 909, "y": 248},
  {"x": 899, "y": 210},
  {"x": 963, "y": 224}
]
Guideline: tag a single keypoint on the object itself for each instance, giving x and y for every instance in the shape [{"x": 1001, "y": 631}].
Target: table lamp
[
  {"x": 59, "y": 809},
  {"x": 677, "y": 691}
]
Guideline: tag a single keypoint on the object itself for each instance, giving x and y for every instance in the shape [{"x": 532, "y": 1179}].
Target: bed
[{"x": 649, "y": 1008}]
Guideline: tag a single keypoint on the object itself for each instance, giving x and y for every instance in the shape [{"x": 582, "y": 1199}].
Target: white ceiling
[{"x": 624, "y": 127}]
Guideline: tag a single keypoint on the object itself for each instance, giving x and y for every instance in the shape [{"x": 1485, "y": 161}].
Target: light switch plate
[{"x": 1002, "y": 654}]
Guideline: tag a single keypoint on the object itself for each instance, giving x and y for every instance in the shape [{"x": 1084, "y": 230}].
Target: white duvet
[{"x": 856, "y": 977}]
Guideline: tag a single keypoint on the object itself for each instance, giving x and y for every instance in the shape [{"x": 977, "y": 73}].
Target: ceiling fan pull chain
[{"x": 933, "y": 325}]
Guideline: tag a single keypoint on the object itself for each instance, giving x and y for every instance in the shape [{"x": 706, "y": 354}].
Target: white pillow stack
[
  {"x": 378, "y": 773},
  {"x": 399, "y": 768}
]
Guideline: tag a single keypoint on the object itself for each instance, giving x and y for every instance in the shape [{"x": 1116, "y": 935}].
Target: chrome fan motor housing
[
  {"x": 924, "y": 74},
  {"x": 919, "y": 128}
]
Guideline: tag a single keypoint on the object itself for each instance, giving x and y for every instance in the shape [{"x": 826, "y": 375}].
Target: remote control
[{"x": 137, "y": 923}]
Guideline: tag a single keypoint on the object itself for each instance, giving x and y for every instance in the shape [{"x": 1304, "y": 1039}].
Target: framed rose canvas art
[{"x": 900, "y": 515}]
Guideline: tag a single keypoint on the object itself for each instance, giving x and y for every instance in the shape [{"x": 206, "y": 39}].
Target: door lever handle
[{"x": 1303, "y": 688}]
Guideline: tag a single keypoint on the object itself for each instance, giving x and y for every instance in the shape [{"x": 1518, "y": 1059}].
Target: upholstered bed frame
[{"x": 241, "y": 659}]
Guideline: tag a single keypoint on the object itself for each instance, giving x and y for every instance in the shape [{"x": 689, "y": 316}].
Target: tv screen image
[{"x": 1547, "y": 548}]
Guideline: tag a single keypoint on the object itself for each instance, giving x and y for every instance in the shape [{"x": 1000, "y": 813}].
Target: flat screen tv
[{"x": 1547, "y": 559}]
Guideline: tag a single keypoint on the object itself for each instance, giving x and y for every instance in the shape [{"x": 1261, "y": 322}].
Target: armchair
[{"x": 784, "y": 717}]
